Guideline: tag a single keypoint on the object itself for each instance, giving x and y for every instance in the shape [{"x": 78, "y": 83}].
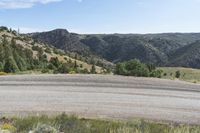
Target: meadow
[{"x": 186, "y": 74}]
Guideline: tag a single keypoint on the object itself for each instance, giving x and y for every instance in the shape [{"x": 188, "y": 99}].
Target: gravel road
[{"x": 101, "y": 96}]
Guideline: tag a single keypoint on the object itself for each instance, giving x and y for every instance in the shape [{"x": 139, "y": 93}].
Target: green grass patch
[{"x": 72, "y": 124}]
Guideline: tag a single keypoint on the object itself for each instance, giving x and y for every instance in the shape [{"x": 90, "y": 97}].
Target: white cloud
[{"x": 14, "y": 4}]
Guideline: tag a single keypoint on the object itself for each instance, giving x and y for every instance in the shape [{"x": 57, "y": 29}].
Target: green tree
[
  {"x": 63, "y": 68},
  {"x": 136, "y": 68},
  {"x": 10, "y": 65},
  {"x": 120, "y": 69},
  {"x": 55, "y": 62}
]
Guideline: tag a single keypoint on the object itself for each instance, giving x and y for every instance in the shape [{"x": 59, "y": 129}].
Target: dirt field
[{"x": 101, "y": 96}]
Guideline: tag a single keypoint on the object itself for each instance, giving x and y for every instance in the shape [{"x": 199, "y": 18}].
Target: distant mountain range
[{"x": 169, "y": 49}]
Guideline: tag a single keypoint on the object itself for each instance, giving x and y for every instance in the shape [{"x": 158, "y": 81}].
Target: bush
[
  {"x": 36, "y": 48},
  {"x": 156, "y": 73},
  {"x": 10, "y": 66},
  {"x": 43, "y": 128},
  {"x": 84, "y": 71},
  {"x": 136, "y": 68},
  {"x": 93, "y": 70},
  {"x": 51, "y": 66},
  {"x": 178, "y": 74},
  {"x": 72, "y": 72},
  {"x": 2, "y": 73},
  {"x": 45, "y": 71},
  {"x": 63, "y": 68},
  {"x": 8, "y": 127},
  {"x": 55, "y": 62},
  {"x": 48, "y": 50}
]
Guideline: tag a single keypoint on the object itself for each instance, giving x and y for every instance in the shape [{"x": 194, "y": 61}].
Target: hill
[
  {"x": 21, "y": 53},
  {"x": 158, "y": 49},
  {"x": 187, "y": 56}
]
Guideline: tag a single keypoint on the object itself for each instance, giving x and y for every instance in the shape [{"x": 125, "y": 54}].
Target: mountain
[
  {"x": 21, "y": 53},
  {"x": 159, "y": 49},
  {"x": 187, "y": 56},
  {"x": 62, "y": 39}
]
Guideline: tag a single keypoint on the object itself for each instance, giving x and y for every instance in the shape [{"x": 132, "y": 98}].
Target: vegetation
[
  {"x": 19, "y": 53},
  {"x": 93, "y": 69},
  {"x": 14, "y": 58},
  {"x": 136, "y": 68},
  {"x": 43, "y": 128},
  {"x": 173, "y": 49},
  {"x": 178, "y": 74},
  {"x": 185, "y": 74},
  {"x": 71, "y": 124}
]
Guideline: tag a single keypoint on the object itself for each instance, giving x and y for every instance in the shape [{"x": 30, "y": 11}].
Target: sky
[{"x": 102, "y": 16}]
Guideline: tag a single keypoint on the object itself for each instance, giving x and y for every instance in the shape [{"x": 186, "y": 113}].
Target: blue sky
[{"x": 102, "y": 16}]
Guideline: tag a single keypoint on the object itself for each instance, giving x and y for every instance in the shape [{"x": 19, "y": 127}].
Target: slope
[
  {"x": 22, "y": 53},
  {"x": 158, "y": 49}
]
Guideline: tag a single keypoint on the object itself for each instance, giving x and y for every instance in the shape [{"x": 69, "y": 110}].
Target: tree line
[{"x": 15, "y": 58}]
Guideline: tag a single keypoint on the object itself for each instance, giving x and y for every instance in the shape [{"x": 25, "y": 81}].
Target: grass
[
  {"x": 72, "y": 124},
  {"x": 3, "y": 74},
  {"x": 187, "y": 74}
]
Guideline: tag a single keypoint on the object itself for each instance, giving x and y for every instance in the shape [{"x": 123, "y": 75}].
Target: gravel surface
[{"x": 101, "y": 96}]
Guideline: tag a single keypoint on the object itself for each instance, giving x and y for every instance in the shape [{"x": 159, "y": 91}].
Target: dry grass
[{"x": 187, "y": 74}]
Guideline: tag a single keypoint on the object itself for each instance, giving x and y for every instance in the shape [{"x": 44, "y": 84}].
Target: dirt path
[{"x": 101, "y": 96}]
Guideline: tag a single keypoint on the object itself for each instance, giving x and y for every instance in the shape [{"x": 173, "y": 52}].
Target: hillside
[
  {"x": 187, "y": 56},
  {"x": 158, "y": 49},
  {"x": 21, "y": 53}
]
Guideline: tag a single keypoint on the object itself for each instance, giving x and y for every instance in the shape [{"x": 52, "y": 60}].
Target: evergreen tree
[{"x": 10, "y": 65}]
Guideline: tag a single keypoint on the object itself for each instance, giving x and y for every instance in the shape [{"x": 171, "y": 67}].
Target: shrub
[
  {"x": 45, "y": 71},
  {"x": 51, "y": 66},
  {"x": 10, "y": 66},
  {"x": 72, "y": 72},
  {"x": 48, "y": 50},
  {"x": 137, "y": 68},
  {"x": 55, "y": 62},
  {"x": 84, "y": 71},
  {"x": 8, "y": 127},
  {"x": 36, "y": 48},
  {"x": 44, "y": 128},
  {"x": 93, "y": 69},
  {"x": 156, "y": 73},
  {"x": 2, "y": 73},
  {"x": 63, "y": 68},
  {"x": 178, "y": 74}
]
